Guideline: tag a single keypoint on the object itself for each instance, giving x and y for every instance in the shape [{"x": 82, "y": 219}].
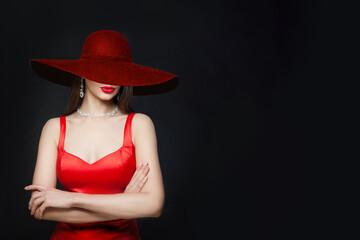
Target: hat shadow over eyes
[{"x": 65, "y": 78}]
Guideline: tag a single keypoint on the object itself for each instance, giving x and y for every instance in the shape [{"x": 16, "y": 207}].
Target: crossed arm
[
  {"x": 71, "y": 215},
  {"x": 81, "y": 208},
  {"x": 49, "y": 203},
  {"x": 98, "y": 207}
]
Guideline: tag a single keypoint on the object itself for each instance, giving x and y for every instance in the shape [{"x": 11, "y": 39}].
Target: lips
[{"x": 107, "y": 89}]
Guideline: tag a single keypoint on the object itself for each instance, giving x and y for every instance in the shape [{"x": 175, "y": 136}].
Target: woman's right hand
[{"x": 139, "y": 178}]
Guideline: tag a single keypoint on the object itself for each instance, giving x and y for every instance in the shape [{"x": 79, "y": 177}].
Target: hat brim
[{"x": 145, "y": 80}]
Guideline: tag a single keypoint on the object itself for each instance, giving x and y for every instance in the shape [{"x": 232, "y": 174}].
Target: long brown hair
[{"x": 124, "y": 104}]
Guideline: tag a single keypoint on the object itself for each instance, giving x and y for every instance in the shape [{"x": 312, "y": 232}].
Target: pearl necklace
[{"x": 98, "y": 115}]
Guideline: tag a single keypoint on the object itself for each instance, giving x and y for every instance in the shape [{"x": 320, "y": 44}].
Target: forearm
[
  {"x": 72, "y": 215},
  {"x": 121, "y": 205}
]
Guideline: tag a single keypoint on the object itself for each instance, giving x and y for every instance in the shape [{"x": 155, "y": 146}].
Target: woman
[{"x": 91, "y": 148}]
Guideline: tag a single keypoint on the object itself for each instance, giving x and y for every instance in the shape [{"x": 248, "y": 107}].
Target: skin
[{"x": 144, "y": 195}]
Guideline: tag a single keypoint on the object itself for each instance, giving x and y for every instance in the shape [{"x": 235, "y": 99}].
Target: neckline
[{"x": 104, "y": 157}]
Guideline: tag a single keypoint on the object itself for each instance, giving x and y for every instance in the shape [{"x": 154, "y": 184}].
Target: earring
[{"x": 82, "y": 87}]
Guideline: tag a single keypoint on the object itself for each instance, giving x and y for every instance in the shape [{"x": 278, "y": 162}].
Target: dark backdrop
[{"x": 245, "y": 141}]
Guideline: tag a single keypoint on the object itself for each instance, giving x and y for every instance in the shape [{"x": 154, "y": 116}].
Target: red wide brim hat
[{"x": 106, "y": 58}]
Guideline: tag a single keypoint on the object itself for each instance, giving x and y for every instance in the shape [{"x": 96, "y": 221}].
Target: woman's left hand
[{"x": 49, "y": 197}]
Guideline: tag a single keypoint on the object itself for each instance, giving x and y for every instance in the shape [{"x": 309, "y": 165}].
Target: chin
[{"x": 106, "y": 97}]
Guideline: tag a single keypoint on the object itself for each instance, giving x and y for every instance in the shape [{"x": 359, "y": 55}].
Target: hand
[
  {"x": 48, "y": 197},
  {"x": 139, "y": 178}
]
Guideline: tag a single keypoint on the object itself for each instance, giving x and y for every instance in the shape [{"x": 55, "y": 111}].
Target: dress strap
[
  {"x": 62, "y": 133},
  {"x": 127, "y": 130}
]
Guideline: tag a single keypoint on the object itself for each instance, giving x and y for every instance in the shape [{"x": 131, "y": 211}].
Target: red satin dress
[{"x": 108, "y": 175}]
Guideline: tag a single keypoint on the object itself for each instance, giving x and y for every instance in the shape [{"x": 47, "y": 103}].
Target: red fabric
[
  {"x": 108, "y": 175},
  {"x": 105, "y": 58}
]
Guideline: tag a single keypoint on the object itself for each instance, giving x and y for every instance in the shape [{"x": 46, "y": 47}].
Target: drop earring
[{"x": 82, "y": 87}]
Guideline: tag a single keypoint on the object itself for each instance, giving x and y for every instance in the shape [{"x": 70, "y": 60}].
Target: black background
[{"x": 250, "y": 141}]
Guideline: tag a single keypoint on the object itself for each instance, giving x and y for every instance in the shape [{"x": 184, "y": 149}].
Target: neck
[{"x": 94, "y": 105}]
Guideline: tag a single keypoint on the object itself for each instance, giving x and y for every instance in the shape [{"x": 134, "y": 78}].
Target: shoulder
[
  {"x": 142, "y": 122},
  {"x": 141, "y": 119},
  {"x": 52, "y": 123},
  {"x": 51, "y": 128}
]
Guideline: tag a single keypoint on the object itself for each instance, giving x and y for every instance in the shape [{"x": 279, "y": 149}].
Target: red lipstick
[{"x": 107, "y": 89}]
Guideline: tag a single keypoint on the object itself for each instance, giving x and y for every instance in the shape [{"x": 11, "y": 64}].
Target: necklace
[{"x": 112, "y": 113}]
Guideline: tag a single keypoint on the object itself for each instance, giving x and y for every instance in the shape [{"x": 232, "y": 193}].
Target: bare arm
[
  {"x": 80, "y": 215},
  {"x": 45, "y": 168},
  {"x": 72, "y": 215},
  {"x": 120, "y": 206}
]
